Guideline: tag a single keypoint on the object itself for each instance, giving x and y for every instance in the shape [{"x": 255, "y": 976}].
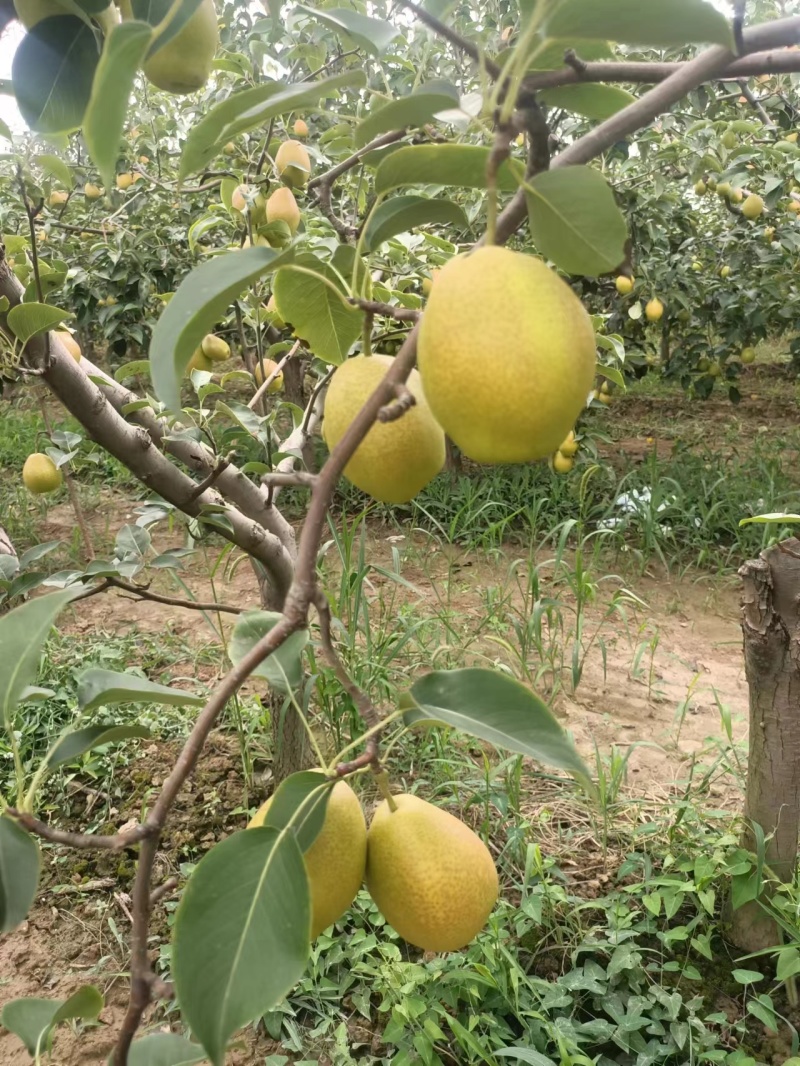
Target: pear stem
[{"x": 382, "y": 781}]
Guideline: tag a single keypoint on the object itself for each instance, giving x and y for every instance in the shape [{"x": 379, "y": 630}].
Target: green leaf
[
  {"x": 597, "y": 102},
  {"x": 788, "y": 963},
  {"x": 643, "y": 22},
  {"x": 575, "y": 221},
  {"x": 52, "y": 72},
  {"x": 123, "y": 52},
  {"x": 23, "y": 632},
  {"x": 163, "y": 1049},
  {"x": 371, "y": 34},
  {"x": 242, "y": 934},
  {"x": 440, "y": 164},
  {"x": 28, "y": 319},
  {"x": 19, "y": 874},
  {"x": 73, "y": 744},
  {"x": 300, "y": 802},
  {"x": 33, "y": 1020},
  {"x": 747, "y": 977},
  {"x": 252, "y": 109},
  {"x": 549, "y": 54},
  {"x": 775, "y": 518},
  {"x": 524, "y": 1054},
  {"x": 56, "y": 167},
  {"x": 496, "y": 708},
  {"x": 402, "y": 213},
  {"x": 325, "y": 321},
  {"x": 283, "y": 669},
  {"x": 414, "y": 110},
  {"x": 202, "y": 298},
  {"x": 100, "y": 688}
]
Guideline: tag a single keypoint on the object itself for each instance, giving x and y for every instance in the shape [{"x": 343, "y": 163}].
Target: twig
[
  {"x": 77, "y": 229},
  {"x": 330, "y": 63},
  {"x": 211, "y": 477},
  {"x": 296, "y": 477},
  {"x": 572, "y": 60},
  {"x": 404, "y": 401},
  {"x": 325, "y": 201},
  {"x": 375, "y": 307},
  {"x": 80, "y": 841},
  {"x": 757, "y": 106},
  {"x": 330, "y": 176},
  {"x": 168, "y": 886},
  {"x": 142, "y": 592},
  {"x": 265, "y": 384},
  {"x": 449, "y": 34}
]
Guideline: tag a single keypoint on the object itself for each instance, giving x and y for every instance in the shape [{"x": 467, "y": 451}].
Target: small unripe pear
[
  {"x": 40, "y": 475},
  {"x": 753, "y": 207}
]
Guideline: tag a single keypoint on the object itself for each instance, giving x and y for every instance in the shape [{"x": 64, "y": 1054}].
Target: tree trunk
[
  {"x": 771, "y": 628},
  {"x": 665, "y": 350},
  {"x": 291, "y": 750}
]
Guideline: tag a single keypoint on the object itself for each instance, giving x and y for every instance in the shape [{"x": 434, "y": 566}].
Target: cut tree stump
[{"x": 771, "y": 630}]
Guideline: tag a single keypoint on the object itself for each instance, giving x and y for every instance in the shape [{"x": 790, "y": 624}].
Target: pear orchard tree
[{"x": 240, "y": 941}]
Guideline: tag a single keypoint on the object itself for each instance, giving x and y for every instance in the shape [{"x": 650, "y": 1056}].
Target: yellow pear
[
  {"x": 270, "y": 366},
  {"x": 184, "y": 63},
  {"x": 506, "y": 353},
  {"x": 300, "y": 128},
  {"x": 293, "y": 164},
  {"x": 215, "y": 348},
  {"x": 91, "y": 191},
  {"x": 700, "y": 187},
  {"x": 40, "y": 474},
  {"x": 124, "y": 181},
  {"x": 272, "y": 309},
  {"x": 562, "y": 464},
  {"x": 569, "y": 446},
  {"x": 654, "y": 310},
  {"x": 335, "y": 861},
  {"x": 58, "y": 197},
  {"x": 239, "y": 198},
  {"x": 282, "y": 206},
  {"x": 748, "y": 355},
  {"x": 396, "y": 459},
  {"x": 624, "y": 285},
  {"x": 431, "y": 877},
  {"x": 69, "y": 343},
  {"x": 199, "y": 361},
  {"x": 427, "y": 283},
  {"x": 753, "y": 207}
]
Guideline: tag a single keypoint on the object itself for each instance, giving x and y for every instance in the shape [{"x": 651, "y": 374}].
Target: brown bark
[{"x": 771, "y": 628}]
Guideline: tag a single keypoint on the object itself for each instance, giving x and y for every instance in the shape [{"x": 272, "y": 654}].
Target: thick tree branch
[
  {"x": 330, "y": 176},
  {"x": 706, "y": 67},
  {"x": 81, "y": 841}
]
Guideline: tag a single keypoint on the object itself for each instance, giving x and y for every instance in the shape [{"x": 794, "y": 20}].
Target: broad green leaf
[
  {"x": 23, "y": 632},
  {"x": 254, "y": 108},
  {"x": 123, "y": 52},
  {"x": 747, "y": 977},
  {"x": 300, "y": 802},
  {"x": 325, "y": 321},
  {"x": 496, "y": 708},
  {"x": 37, "y": 552},
  {"x": 71, "y": 745},
  {"x": 440, "y": 164},
  {"x": 33, "y": 1020},
  {"x": 28, "y": 319},
  {"x": 202, "y": 298},
  {"x": 414, "y": 110},
  {"x": 788, "y": 963},
  {"x": 524, "y": 1054},
  {"x": 775, "y": 518},
  {"x": 56, "y": 167},
  {"x": 19, "y": 874},
  {"x": 575, "y": 221},
  {"x": 52, "y": 72},
  {"x": 242, "y": 934},
  {"x": 597, "y": 102},
  {"x": 281, "y": 669},
  {"x": 402, "y": 213},
  {"x": 163, "y": 1049},
  {"x": 643, "y": 22},
  {"x": 371, "y": 34},
  {"x": 100, "y": 688}
]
